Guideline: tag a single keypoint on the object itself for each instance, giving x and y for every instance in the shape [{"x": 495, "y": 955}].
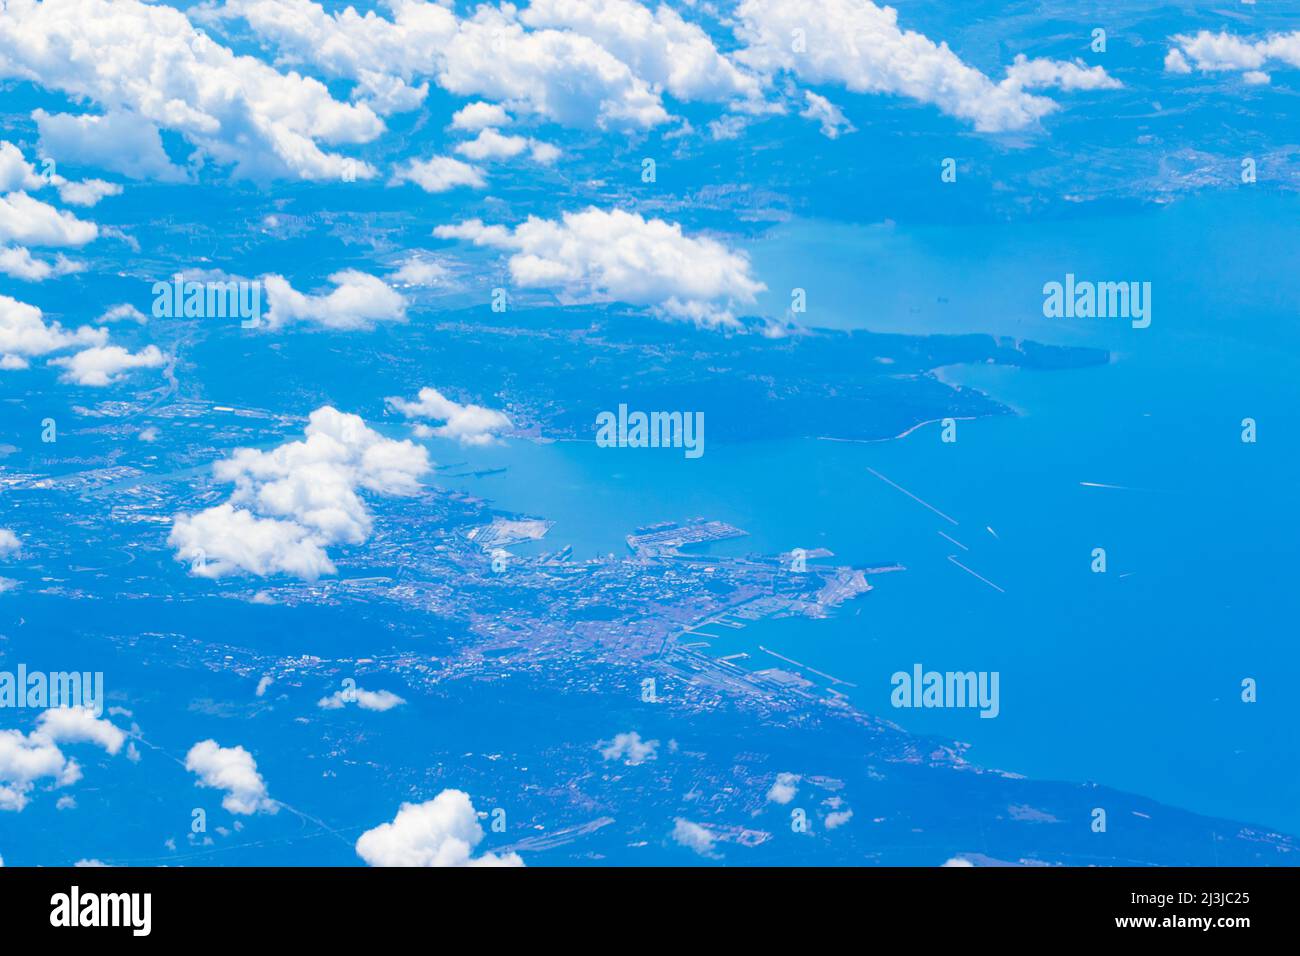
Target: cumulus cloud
[
  {"x": 1041, "y": 73},
  {"x": 479, "y": 115},
  {"x": 379, "y": 700},
  {"x": 15, "y": 171},
  {"x": 236, "y": 109},
  {"x": 823, "y": 111},
  {"x": 629, "y": 748},
  {"x": 233, "y": 770},
  {"x": 24, "y": 219},
  {"x": 125, "y": 312},
  {"x": 1175, "y": 62},
  {"x": 26, "y": 759},
  {"x": 17, "y": 262},
  {"x": 658, "y": 45},
  {"x": 417, "y": 270},
  {"x": 78, "y": 725},
  {"x": 87, "y": 193},
  {"x": 119, "y": 141},
  {"x": 30, "y": 221},
  {"x": 439, "y": 174},
  {"x": 24, "y": 334},
  {"x": 104, "y": 365},
  {"x": 440, "y": 832},
  {"x": 860, "y": 46},
  {"x": 358, "y": 301},
  {"x": 784, "y": 788},
  {"x": 560, "y": 75},
  {"x": 603, "y": 255},
  {"x": 296, "y": 500},
  {"x": 10, "y": 545},
  {"x": 577, "y": 62},
  {"x": 554, "y": 74},
  {"x": 468, "y": 424},
  {"x": 491, "y": 145},
  {"x": 1221, "y": 52},
  {"x": 693, "y": 836},
  {"x": 385, "y": 57},
  {"x": 838, "y": 818},
  {"x": 18, "y": 174}
]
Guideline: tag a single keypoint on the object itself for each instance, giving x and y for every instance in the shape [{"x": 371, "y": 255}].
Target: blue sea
[{"x": 1132, "y": 677}]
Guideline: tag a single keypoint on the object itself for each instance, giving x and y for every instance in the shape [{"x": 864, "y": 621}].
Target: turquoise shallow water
[{"x": 1130, "y": 678}]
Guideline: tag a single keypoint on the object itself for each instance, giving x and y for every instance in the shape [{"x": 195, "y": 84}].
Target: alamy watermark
[
  {"x": 1076, "y": 299},
  {"x": 946, "y": 689},
  {"x": 41, "y": 690},
  {"x": 651, "y": 430},
  {"x": 236, "y": 298}
]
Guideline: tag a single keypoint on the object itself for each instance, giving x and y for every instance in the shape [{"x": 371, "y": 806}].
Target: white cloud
[
  {"x": 479, "y": 115},
  {"x": 555, "y": 74},
  {"x": 861, "y": 46},
  {"x": 440, "y": 832},
  {"x": 958, "y": 861},
  {"x": 17, "y": 262},
  {"x": 379, "y": 700},
  {"x": 784, "y": 788},
  {"x": 420, "y": 271},
  {"x": 233, "y": 770},
  {"x": 629, "y": 748},
  {"x": 543, "y": 153},
  {"x": 468, "y": 424},
  {"x": 88, "y": 193},
  {"x": 104, "y": 365},
  {"x": 79, "y": 725},
  {"x": 10, "y": 545},
  {"x": 1041, "y": 73},
  {"x": 15, "y": 171},
  {"x": 226, "y": 540},
  {"x": 358, "y": 301},
  {"x": 659, "y": 46},
  {"x": 27, "y": 220},
  {"x": 25, "y": 334},
  {"x": 603, "y": 255},
  {"x": 1175, "y": 62},
  {"x": 148, "y": 59},
  {"x": 264, "y": 684},
  {"x": 439, "y": 174},
  {"x": 823, "y": 111},
  {"x": 693, "y": 836},
  {"x": 28, "y": 758},
  {"x": 838, "y": 818},
  {"x": 384, "y": 56},
  {"x": 728, "y": 127},
  {"x": 18, "y": 174},
  {"x": 125, "y": 312},
  {"x": 120, "y": 142},
  {"x": 1225, "y": 52},
  {"x": 491, "y": 145},
  {"x": 294, "y": 501}
]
